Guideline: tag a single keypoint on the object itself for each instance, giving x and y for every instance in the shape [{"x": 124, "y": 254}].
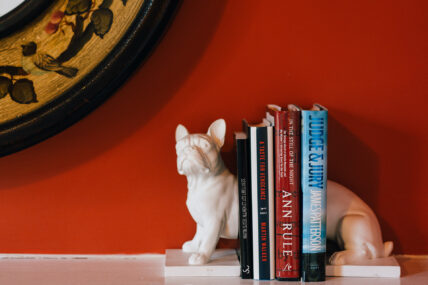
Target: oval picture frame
[{"x": 92, "y": 89}]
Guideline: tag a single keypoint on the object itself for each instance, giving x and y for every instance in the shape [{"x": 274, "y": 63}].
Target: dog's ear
[
  {"x": 180, "y": 132},
  {"x": 217, "y": 131}
]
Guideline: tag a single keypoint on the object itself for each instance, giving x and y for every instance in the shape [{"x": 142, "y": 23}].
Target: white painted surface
[
  {"x": 379, "y": 267},
  {"x": 148, "y": 269},
  {"x": 8, "y": 5},
  {"x": 224, "y": 262},
  {"x": 77, "y": 256},
  {"x": 58, "y": 271}
]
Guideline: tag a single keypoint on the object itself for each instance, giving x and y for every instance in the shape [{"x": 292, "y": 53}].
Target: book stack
[{"x": 282, "y": 176}]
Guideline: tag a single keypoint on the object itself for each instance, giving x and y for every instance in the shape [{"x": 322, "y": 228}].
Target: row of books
[{"x": 282, "y": 170}]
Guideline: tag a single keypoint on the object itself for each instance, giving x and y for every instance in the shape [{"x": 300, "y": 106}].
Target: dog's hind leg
[{"x": 355, "y": 236}]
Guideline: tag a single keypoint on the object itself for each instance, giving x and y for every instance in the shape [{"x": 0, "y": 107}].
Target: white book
[{"x": 262, "y": 198}]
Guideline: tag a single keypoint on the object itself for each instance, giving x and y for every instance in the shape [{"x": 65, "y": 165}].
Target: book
[
  {"x": 287, "y": 190},
  {"x": 262, "y": 199},
  {"x": 314, "y": 192},
  {"x": 244, "y": 188}
]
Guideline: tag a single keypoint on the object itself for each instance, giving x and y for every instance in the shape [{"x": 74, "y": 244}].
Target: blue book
[{"x": 314, "y": 193}]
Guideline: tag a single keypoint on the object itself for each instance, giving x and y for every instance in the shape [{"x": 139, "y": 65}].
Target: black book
[{"x": 244, "y": 188}]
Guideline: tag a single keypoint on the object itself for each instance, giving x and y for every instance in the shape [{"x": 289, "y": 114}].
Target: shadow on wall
[
  {"x": 352, "y": 163},
  {"x": 379, "y": 174},
  {"x": 130, "y": 108}
]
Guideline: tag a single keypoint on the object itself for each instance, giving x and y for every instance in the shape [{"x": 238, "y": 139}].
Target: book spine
[
  {"x": 287, "y": 147},
  {"x": 245, "y": 227},
  {"x": 271, "y": 197},
  {"x": 262, "y": 202},
  {"x": 280, "y": 186},
  {"x": 314, "y": 186}
]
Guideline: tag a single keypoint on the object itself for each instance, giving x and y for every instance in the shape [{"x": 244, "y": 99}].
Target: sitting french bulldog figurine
[
  {"x": 212, "y": 197},
  {"x": 354, "y": 226}
]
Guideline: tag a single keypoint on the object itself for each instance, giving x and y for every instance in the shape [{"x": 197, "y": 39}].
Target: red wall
[{"x": 109, "y": 183}]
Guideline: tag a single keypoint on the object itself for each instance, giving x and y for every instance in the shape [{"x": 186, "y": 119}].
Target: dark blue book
[
  {"x": 245, "y": 221},
  {"x": 314, "y": 193},
  {"x": 262, "y": 199}
]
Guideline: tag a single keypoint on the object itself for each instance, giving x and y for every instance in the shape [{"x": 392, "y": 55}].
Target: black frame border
[{"x": 135, "y": 46}]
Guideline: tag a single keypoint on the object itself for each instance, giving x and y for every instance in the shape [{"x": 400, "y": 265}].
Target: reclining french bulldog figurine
[
  {"x": 212, "y": 197},
  {"x": 354, "y": 226},
  {"x": 212, "y": 200}
]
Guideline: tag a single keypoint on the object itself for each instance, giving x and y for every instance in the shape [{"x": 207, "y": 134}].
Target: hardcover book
[
  {"x": 244, "y": 188},
  {"x": 314, "y": 193},
  {"x": 262, "y": 199},
  {"x": 287, "y": 190}
]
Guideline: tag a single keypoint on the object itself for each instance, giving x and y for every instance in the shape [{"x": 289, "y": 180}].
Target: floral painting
[{"x": 42, "y": 61}]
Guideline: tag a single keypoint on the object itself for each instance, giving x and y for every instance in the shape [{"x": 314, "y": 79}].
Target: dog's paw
[
  {"x": 348, "y": 257},
  {"x": 337, "y": 258},
  {"x": 190, "y": 246},
  {"x": 198, "y": 259}
]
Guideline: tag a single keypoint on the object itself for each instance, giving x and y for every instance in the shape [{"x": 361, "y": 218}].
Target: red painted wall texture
[{"x": 109, "y": 183}]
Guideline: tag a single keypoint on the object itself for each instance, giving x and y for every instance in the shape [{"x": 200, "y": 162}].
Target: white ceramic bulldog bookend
[
  {"x": 354, "y": 226},
  {"x": 212, "y": 197}
]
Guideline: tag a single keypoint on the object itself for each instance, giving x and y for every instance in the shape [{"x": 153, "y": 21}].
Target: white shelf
[
  {"x": 224, "y": 262},
  {"x": 149, "y": 269}
]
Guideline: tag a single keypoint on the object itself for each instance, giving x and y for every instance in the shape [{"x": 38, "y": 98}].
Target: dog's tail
[{"x": 387, "y": 247}]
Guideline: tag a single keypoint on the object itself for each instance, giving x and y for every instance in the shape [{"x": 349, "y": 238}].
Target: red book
[{"x": 287, "y": 190}]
